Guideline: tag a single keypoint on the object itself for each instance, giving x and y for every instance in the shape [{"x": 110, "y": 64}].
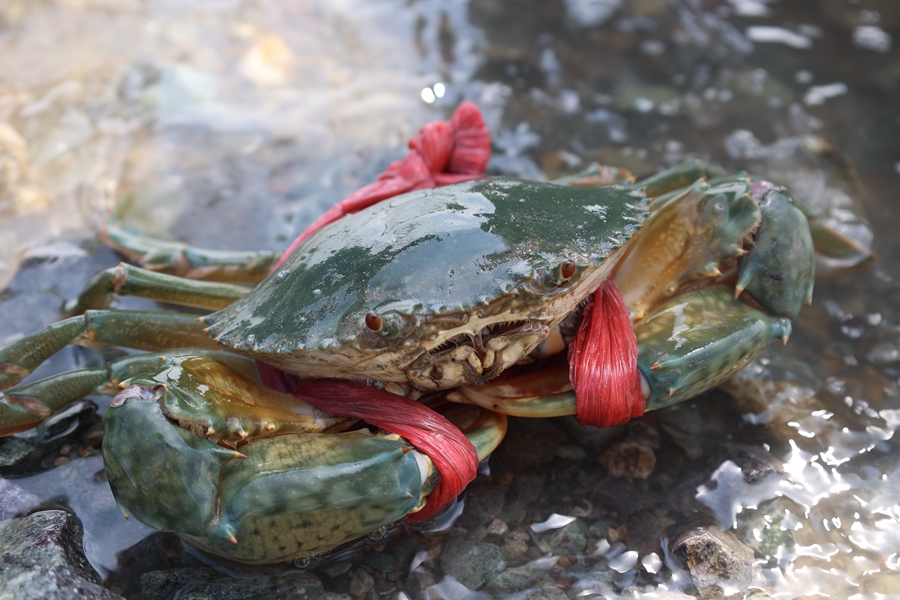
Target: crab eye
[
  {"x": 566, "y": 269},
  {"x": 374, "y": 321}
]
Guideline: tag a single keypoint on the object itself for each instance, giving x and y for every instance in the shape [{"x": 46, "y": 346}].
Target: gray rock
[
  {"x": 515, "y": 547},
  {"x": 484, "y": 501},
  {"x": 570, "y": 539},
  {"x": 716, "y": 560},
  {"x": 419, "y": 581},
  {"x": 360, "y": 582},
  {"x": 469, "y": 563},
  {"x": 517, "y": 579},
  {"x": 14, "y": 500},
  {"x": 385, "y": 563},
  {"x": 209, "y": 584},
  {"x": 766, "y": 532},
  {"x": 43, "y": 559},
  {"x": 336, "y": 569},
  {"x": 755, "y": 462}
]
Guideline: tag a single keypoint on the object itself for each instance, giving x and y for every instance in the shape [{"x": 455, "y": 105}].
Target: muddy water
[{"x": 232, "y": 124}]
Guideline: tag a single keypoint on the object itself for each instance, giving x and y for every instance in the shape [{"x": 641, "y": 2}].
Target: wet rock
[
  {"x": 42, "y": 558},
  {"x": 382, "y": 563},
  {"x": 569, "y": 539},
  {"x": 755, "y": 462},
  {"x": 484, "y": 501},
  {"x": 469, "y": 563},
  {"x": 360, "y": 582},
  {"x": 418, "y": 581},
  {"x": 518, "y": 579},
  {"x": 209, "y": 584},
  {"x": 14, "y": 500},
  {"x": 719, "y": 563},
  {"x": 515, "y": 547},
  {"x": 49, "y": 276},
  {"x": 768, "y": 531},
  {"x": 22, "y": 453},
  {"x": 404, "y": 550},
  {"x": 629, "y": 460},
  {"x": 497, "y": 527},
  {"x": 157, "y": 552},
  {"x": 337, "y": 569}
]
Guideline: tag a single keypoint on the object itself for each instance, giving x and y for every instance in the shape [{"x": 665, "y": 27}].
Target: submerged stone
[{"x": 43, "y": 559}]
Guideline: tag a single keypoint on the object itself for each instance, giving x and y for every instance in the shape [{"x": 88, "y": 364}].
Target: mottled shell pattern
[{"x": 436, "y": 287}]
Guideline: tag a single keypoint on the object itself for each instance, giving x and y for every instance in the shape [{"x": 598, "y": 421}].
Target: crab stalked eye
[
  {"x": 566, "y": 269},
  {"x": 374, "y": 321}
]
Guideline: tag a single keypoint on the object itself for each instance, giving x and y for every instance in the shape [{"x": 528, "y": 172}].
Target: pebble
[
  {"x": 569, "y": 539},
  {"x": 469, "y": 563},
  {"x": 360, "y": 583},
  {"x": 629, "y": 460},
  {"x": 716, "y": 560}
]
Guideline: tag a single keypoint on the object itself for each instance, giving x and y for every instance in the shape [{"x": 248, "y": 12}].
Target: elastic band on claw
[
  {"x": 603, "y": 362},
  {"x": 453, "y": 455}
]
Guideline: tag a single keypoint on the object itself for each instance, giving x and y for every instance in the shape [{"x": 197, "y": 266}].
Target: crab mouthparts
[{"x": 467, "y": 358}]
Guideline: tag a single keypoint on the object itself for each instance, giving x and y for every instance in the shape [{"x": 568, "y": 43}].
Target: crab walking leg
[
  {"x": 27, "y": 406},
  {"x": 273, "y": 498},
  {"x": 177, "y": 258},
  {"x": 680, "y": 176},
  {"x": 127, "y": 280},
  {"x": 692, "y": 343},
  {"x": 832, "y": 244},
  {"x": 151, "y": 331}
]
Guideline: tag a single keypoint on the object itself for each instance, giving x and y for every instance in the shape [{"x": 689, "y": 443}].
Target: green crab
[{"x": 437, "y": 289}]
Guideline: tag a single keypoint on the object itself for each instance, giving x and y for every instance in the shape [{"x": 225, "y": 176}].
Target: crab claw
[
  {"x": 698, "y": 340},
  {"x": 286, "y": 493},
  {"x": 779, "y": 271}
]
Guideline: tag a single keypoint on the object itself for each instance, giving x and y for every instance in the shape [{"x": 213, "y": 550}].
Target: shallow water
[{"x": 232, "y": 124}]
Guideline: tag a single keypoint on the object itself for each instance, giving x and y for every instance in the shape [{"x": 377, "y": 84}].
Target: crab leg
[
  {"x": 29, "y": 405},
  {"x": 126, "y": 280},
  {"x": 151, "y": 331},
  {"x": 179, "y": 259}
]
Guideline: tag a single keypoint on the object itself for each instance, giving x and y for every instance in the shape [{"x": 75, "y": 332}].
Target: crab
[{"x": 444, "y": 290}]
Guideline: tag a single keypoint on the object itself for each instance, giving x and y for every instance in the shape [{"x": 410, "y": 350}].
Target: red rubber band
[
  {"x": 603, "y": 362},
  {"x": 452, "y": 453},
  {"x": 442, "y": 153}
]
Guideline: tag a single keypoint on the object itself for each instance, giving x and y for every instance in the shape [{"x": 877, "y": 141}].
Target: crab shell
[{"x": 437, "y": 287}]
